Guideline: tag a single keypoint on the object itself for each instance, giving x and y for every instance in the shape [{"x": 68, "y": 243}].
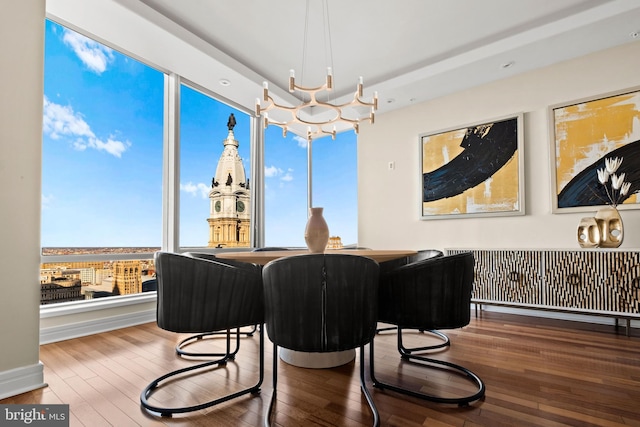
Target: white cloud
[
  {"x": 302, "y": 142},
  {"x": 47, "y": 200},
  {"x": 61, "y": 121},
  {"x": 93, "y": 54},
  {"x": 111, "y": 146},
  {"x": 194, "y": 189},
  {"x": 272, "y": 171},
  {"x": 276, "y": 172}
]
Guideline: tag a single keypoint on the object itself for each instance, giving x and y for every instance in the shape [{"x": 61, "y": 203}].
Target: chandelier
[{"x": 316, "y": 116}]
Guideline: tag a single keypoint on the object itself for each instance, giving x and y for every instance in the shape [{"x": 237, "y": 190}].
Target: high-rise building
[
  {"x": 230, "y": 202},
  {"x": 126, "y": 277}
]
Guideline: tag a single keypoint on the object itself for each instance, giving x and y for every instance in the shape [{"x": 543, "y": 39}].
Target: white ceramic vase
[{"x": 316, "y": 233}]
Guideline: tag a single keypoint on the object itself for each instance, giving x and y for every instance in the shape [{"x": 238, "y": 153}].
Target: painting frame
[
  {"x": 493, "y": 150},
  {"x": 582, "y": 134}
]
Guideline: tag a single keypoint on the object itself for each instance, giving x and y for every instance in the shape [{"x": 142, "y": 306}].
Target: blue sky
[{"x": 102, "y": 156}]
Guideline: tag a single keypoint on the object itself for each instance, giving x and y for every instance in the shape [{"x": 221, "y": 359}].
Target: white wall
[
  {"x": 21, "y": 86},
  {"x": 389, "y": 201}
]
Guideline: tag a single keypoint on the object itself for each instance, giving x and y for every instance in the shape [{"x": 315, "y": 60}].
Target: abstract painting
[
  {"x": 583, "y": 134},
  {"x": 473, "y": 170}
]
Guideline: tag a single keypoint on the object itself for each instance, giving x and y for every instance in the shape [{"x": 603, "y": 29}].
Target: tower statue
[{"x": 229, "y": 213}]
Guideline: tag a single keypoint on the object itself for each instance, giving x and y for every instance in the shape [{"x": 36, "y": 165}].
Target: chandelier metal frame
[{"x": 316, "y": 128}]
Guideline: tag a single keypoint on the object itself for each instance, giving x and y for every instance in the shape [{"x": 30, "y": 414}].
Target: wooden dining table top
[{"x": 263, "y": 257}]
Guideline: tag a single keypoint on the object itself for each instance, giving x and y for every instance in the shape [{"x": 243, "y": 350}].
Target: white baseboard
[
  {"x": 75, "y": 330},
  {"x": 21, "y": 380},
  {"x": 576, "y": 317}
]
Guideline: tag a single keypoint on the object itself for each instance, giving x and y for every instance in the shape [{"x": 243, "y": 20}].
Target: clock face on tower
[
  {"x": 240, "y": 206},
  {"x": 218, "y": 206}
]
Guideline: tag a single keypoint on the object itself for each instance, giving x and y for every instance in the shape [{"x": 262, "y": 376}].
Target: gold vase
[
  {"x": 610, "y": 225},
  {"x": 589, "y": 233}
]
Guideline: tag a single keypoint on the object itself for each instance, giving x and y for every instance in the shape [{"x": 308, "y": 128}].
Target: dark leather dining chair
[
  {"x": 419, "y": 256},
  {"x": 321, "y": 303},
  {"x": 199, "y": 296},
  {"x": 399, "y": 262},
  {"x": 431, "y": 294},
  {"x": 183, "y": 345},
  {"x": 269, "y": 248}
]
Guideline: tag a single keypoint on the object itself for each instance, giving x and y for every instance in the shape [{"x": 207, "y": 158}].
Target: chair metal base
[
  {"x": 433, "y": 364},
  {"x": 168, "y": 412},
  {"x": 180, "y": 347},
  {"x": 406, "y": 351},
  {"x": 363, "y": 387}
]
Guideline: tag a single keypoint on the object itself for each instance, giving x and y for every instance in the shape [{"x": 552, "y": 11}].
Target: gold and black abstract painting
[{"x": 473, "y": 170}]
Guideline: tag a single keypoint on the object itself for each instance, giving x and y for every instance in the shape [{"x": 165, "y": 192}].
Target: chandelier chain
[{"x": 319, "y": 117}]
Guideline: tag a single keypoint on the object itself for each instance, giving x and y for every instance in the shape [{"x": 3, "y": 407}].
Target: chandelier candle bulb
[{"x": 292, "y": 82}]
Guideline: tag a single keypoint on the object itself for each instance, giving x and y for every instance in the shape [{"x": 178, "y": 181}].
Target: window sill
[{"x": 75, "y": 307}]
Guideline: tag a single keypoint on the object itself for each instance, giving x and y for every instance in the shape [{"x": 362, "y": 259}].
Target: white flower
[
  {"x": 625, "y": 188},
  {"x": 603, "y": 176},
  {"x": 617, "y": 181},
  {"x": 612, "y": 165},
  {"x": 619, "y": 188}
]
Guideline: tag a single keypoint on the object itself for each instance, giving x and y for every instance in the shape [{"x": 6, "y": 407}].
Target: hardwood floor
[{"x": 538, "y": 372}]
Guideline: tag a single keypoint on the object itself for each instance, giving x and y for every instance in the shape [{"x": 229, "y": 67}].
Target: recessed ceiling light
[
  {"x": 412, "y": 99},
  {"x": 635, "y": 34},
  {"x": 225, "y": 82},
  {"x": 508, "y": 64},
  {"x": 391, "y": 101}
]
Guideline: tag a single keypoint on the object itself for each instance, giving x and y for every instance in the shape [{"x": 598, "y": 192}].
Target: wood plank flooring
[{"x": 538, "y": 372}]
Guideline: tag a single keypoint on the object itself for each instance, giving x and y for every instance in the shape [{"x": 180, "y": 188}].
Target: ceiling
[{"x": 409, "y": 51}]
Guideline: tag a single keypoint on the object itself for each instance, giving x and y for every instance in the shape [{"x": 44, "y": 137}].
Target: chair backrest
[
  {"x": 198, "y": 295},
  {"x": 233, "y": 262},
  {"x": 422, "y": 254},
  {"x": 321, "y": 302},
  {"x": 269, "y": 248},
  {"x": 434, "y": 293}
]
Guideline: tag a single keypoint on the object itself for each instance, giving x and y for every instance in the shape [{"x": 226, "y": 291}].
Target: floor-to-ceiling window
[
  {"x": 335, "y": 184},
  {"x": 101, "y": 169},
  {"x": 213, "y": 212},
  {"x": 285, "y": 188}
]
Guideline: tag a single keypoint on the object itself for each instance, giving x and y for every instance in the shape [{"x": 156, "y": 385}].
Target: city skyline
[{"x": 102, "y": 156}]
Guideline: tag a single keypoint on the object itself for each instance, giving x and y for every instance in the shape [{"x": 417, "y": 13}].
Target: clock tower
[{"x": 230, "y": 203}]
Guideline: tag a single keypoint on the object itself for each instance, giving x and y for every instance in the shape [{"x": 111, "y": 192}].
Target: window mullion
[{"x": 171, "y": 165}]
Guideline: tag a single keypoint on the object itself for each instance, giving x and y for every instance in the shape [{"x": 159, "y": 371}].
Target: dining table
[
  {"x": 264, "y": 257},
  {"x": 305, "y": 359}
]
